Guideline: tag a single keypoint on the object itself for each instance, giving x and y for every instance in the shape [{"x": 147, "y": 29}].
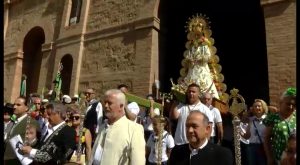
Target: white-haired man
[
  {"x": 217, "y": 125},
  {"x": 120, "y": 140}
]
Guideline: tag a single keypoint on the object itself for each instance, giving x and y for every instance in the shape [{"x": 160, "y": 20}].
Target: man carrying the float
[{"x": 200, "y": 74}]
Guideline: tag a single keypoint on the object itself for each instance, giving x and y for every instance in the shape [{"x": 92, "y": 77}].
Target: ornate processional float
[{"x": 200, "y": 64}]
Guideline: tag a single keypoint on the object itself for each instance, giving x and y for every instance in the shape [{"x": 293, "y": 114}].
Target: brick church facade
[{"x": 104, "y": 43}]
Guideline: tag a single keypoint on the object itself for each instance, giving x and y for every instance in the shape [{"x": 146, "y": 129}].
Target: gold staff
[
  {"x": 235, "y": 109},
  {"x": 160, "y": 132}
]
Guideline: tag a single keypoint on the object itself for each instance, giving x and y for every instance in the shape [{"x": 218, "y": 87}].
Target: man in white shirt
[
  {"x": 132, "y": 109},
  {"x": 206, "y": 99},
  {"x": 120, "y": 140},
  {"x": 181, "y": 111}
]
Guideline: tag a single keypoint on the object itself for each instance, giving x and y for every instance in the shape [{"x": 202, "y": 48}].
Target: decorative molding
[
  {"x": 47, "y": 47},
  {"x": 7, "y": 2},
  {"x": 10, "y": 2},
  {"x": 14, "y": 55},
  {"x": 73, "y": 39},
  {"x": 145, "y": 23},
  {"x": 271, "y": 2}
]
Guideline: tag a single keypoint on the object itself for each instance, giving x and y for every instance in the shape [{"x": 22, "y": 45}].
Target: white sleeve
[
  {"x": 99, "y": 116},
  {"x": 170, "y": 141},
  {"x": 209, "y": 114},
  {"x": 32, "y": 152},
  {"x": 180, "y": 106},
  {"x": 134, "y": 108},
  {"x": 99, "y": 112},
  {"x": 218, "y": 115}
]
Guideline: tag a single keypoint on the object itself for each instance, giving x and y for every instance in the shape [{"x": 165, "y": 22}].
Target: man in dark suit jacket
[
  {"x": 94, "y": 113},
  {"x": 55, "y": 147},
  {"x": 199, "y": 150},
  {"x": 14, "y": 128}
]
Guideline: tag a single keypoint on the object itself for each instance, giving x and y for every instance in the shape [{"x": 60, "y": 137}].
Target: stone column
[{"x": 17, "y": 76}]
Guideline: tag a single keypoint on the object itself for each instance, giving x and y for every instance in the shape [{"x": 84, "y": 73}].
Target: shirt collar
[
  {"x": 58, "y": 125},
  {"x": 115, "y": 123},
  {"x": 92, "y": 101},
  {"x": 261, "y": 118},
  {"x": 21, "y": 118},
  {"x": 195, "y": 151}
]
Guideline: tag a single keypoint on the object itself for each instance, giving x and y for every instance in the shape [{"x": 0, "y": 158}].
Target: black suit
[
  {"x": 13, "y": 130},
  {"x": 211, "y": 154},
  {"x": 91, "y": 120},
  {"x": 58, "y": 147}
]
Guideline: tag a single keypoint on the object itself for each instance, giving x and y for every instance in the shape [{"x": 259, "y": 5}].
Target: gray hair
[
  {"x": 59, "y": 108},
  {"x": 119, "y": 95},
  {"x": 263, "y": 104},
  {"x": 202, "y": 96},
  {"x": 205, "y": 118}
]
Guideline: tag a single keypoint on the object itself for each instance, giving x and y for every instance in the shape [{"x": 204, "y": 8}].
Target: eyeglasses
[
  {"x": 37, "y": 103},
  {"x": 75, "y": 117},
  {"x": 89, "y": 93}
]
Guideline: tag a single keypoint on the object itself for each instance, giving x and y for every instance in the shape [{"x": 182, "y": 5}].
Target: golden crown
[{"x": 197, "y": 20}]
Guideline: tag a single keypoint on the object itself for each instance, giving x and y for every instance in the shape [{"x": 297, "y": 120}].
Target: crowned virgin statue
[{"x": 200, "y": 64}]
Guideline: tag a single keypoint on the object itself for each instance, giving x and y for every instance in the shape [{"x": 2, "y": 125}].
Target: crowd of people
[{"x": 115, "y": 131}]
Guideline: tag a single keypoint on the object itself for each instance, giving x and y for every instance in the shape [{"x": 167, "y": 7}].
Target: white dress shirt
[
  {"x": 195, "y": 151},
  {"x": 184, "y": 111}
]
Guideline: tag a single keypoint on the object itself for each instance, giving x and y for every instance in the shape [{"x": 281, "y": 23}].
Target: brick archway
[
  {"x": 66, "y": 73},
  {"x": 32, "y": 48}
]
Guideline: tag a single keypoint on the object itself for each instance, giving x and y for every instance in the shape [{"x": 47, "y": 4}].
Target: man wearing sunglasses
[{"x": 94, "y": 113}]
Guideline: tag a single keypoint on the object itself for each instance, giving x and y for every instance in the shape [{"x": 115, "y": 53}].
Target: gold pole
[
  {"x": 235, "y": 109},
  {"x": 161, "y": 131}
]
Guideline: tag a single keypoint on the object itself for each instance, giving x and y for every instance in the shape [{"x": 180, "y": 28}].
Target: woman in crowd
[
  {"x": 255, "y": 134},
  {"x": 279, "y": 126},
  {"x": 86, "y": 138}
]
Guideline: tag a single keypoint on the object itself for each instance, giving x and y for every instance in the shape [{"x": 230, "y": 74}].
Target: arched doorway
[
  {"x": 32, "y": 48},
  {"x": 66, "y": 73},
  {"x": 238, "y": 29}
]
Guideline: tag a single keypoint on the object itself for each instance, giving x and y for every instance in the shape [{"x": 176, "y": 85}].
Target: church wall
[
  {"x": 118, "y": 46},
  {"x": 45, "y": 78},
  {"x": 22, "y": 17},
  {"x": 280, "y": 21},
  {"x": 62, "y": 50},
  {"x": 11, "y": 65}
]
